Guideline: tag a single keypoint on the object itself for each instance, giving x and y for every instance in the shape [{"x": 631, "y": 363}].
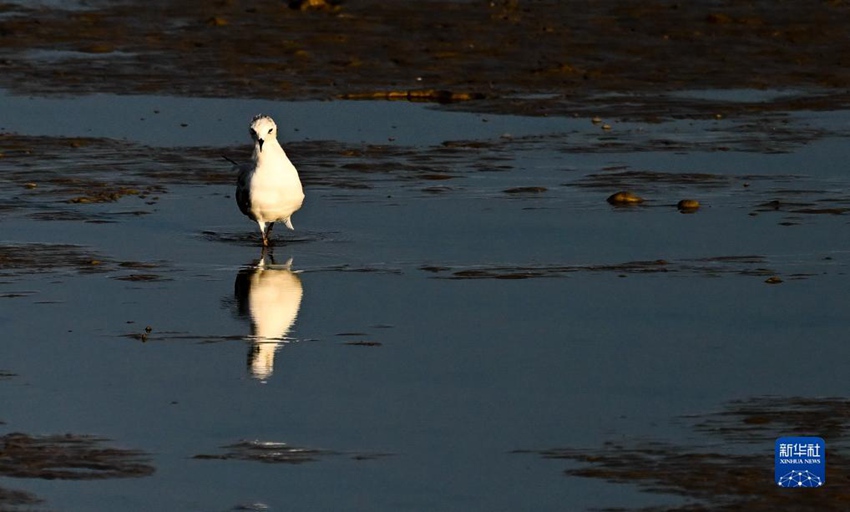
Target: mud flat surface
[
  {"x": 526, "y": 57},
  {"x": 593, "y": 259}
]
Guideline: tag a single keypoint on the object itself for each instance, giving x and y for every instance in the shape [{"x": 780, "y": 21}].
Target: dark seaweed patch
[
  {"x": 12, "y": 500},
  {"x": 805, "y": 202},
  {"x": 736, "y": 478},
  {"x": 268, "y": 452},
  {"x": 280, "y": 453},
  {"x": 713, "y": 266},
  {"x": 631, "y": 178},
  {"x": 756, "y": 418},
  {"x": 68, "y": 457},
  {"x": 16, "y": 259},
  {"x": 141, "y": 278},
  {"x": 526, "y": 190}
]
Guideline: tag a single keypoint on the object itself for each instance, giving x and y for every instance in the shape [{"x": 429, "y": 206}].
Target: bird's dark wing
[{"x": 243, "y": 197}]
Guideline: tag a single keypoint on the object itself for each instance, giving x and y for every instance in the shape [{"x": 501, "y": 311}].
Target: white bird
[{"x": 268, "y": 190}]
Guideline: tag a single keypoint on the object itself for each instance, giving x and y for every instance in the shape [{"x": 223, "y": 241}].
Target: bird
[{"x": 268, "y": 190}]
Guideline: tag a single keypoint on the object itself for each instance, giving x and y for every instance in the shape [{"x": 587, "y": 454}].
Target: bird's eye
[{"x": 270, "y": 130}]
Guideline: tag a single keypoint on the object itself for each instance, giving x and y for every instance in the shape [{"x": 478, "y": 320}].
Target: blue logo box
[{"x": 800, "y": 462}]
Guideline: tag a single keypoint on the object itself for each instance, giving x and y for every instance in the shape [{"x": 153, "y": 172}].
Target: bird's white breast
[{"x": 275, "y": 189}]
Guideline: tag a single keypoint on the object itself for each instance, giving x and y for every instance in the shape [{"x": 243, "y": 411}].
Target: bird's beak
[{"x": 260, "y": 142}]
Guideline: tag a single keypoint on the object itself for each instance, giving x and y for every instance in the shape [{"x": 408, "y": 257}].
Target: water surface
[{"x": 431, "y": 324}]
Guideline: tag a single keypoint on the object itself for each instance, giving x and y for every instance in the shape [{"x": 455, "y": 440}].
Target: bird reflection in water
[{"x": 271, "y": 295}]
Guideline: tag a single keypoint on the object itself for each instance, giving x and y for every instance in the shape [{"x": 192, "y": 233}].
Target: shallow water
[
  {"x": 438, "y": 330},
  {"x": 173, "y": 121}
]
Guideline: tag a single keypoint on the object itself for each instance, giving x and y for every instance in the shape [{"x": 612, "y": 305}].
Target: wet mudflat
[
  {"x": 462, "y": 320},
  {"x": 529, "y": 57},
  {"x": 450, "y": 309}
]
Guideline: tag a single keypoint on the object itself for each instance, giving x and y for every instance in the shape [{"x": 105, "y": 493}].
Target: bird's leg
[
  {"x": 263, "y": 233},
  {"x": 267, "y": 234}
]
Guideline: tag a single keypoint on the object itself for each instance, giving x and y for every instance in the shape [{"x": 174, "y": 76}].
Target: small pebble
[
  {"x": 624, "y": 197},
  {"x": 773, "y": 280},
  {"x": 688, "y": 205}
]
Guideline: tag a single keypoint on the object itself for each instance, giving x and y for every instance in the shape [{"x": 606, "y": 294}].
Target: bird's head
[{"x": 262, "y": 129}]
